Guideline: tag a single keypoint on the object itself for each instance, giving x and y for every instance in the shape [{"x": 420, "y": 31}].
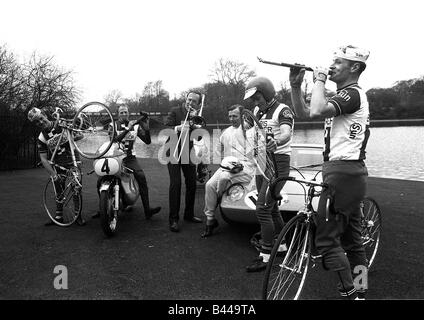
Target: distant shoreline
[{"x": 320, "y": 124}]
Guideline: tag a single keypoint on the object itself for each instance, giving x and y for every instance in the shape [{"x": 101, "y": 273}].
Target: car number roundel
[
  {"x": 106, "y": 166},
  {"x": 252, "y": 197}
]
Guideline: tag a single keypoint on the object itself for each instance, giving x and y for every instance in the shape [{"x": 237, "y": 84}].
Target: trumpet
[{"x": 195, "y": 121}]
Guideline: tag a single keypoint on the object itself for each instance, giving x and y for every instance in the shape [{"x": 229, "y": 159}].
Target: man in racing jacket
[
  {"x": 46, "y": 143},
  {"x": 338, "y": 235},
  {"x": 277, "y": 120}
]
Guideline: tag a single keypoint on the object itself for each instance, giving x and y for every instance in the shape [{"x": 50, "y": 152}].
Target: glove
[
  {"x": 271, "y": 145},
  {"x": 296, "y": 77},
  {"x": 320, "y": 74}
]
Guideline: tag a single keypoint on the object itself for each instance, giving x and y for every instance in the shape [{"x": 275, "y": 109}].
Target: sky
[{"x": 121, "y": 45}]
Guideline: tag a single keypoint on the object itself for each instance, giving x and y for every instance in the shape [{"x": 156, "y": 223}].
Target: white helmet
[{"x": 232, "y": 164}]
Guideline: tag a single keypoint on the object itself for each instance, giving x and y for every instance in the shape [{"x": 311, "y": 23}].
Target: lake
[{"x": 392, "y": 152}]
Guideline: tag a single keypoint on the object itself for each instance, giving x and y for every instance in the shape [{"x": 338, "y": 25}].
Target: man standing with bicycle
[
  {"x": 46, "y": 143},
  {"x": 338, "y": 235},
  {"x": 277, "y": 120}
]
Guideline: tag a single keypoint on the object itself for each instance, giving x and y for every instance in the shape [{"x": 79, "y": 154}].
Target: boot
[
  {"x": 152, "y": 211},
  {"x": 209, "y": 228}
]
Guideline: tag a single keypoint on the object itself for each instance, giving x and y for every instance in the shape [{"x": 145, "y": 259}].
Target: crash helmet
[
  {"x": 261, "y": 84},
  {"x": 34, "y": 114},
  {"x": 231, "y": 164}
]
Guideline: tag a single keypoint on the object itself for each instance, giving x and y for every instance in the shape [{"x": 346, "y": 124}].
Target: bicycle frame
[
  {"x": 66, "y": 131},
  {"x": 285, "y": 277}
]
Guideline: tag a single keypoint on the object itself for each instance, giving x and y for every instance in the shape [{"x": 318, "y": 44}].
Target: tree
[
  {"x": 154, "y": 97},
  {"x": 49, "y": 86},
  {"x": 12, "y": 82},
  {"x": 284, "y": 94},
  {"x": 113, "y": 99},
  {"x": 231, "y": 72},
  {"x": 37, "y": 82}
]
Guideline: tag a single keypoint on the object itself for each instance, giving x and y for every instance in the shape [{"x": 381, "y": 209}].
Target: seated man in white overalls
[{"x": 235, "y": 167}]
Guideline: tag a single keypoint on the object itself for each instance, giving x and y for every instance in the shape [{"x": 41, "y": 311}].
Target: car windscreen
[{"x": 306, "y": 158}]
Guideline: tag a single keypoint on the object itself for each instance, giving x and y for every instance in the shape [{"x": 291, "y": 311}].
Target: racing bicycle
[
  {"x": 285, "y": 275},
  {"x": 84, "y": 133}
]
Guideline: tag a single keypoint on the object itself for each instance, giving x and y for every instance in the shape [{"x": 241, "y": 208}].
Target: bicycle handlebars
[{"x": 274, "y": 183}]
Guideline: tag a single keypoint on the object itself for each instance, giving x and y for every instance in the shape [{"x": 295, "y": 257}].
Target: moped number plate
[{"x": 106, "y": 166}]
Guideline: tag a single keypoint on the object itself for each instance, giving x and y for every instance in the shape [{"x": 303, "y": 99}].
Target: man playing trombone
[{"x": 179, "y": 117}]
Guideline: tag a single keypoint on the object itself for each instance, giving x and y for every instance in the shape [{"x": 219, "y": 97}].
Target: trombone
[{"x": 196, "y": 121}]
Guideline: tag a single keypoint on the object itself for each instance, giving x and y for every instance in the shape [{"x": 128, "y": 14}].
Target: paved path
[{"x": 146, "y": 261}]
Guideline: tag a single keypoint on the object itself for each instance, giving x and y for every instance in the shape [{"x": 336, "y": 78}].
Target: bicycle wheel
[
  {"x": 255, "y": 146},
  {"x": 285, "y": 275},
  {"x": 69, "y": 201},
  {"x": 91, "y": 126},
  {"x": 108, "y": 216},
  {"x": 371, "y": 228}
]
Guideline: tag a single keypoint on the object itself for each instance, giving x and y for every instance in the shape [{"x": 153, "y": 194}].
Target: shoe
[
  {"x": 282, "y": 247},
  {"x": 80, "y": 221},
  {"x": 282, "y": 250},
  {"x": 152, "y": 212},
  {"x": 193, "y": 219},
  {"x": 209, "y": 228},
  {"x": 360, "y": 295},
  {"x": 51, "y": 223},
  {"x": 258, "y": 265},
  {"x": 174, "y": 227}
]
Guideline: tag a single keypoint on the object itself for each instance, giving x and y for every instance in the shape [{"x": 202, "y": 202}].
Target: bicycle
[
  {"x": 85, "y": 132},
  {"x": 285, "y": 274}
]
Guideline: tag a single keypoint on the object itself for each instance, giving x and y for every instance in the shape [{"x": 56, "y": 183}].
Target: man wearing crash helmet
[
  {"x": 277, "y": 120},
  {"x": 338, "y": 233},
  {"x": 236, "y": 166}
]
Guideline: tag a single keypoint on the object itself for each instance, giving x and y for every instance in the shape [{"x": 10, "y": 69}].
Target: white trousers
[{"x": 218, "y": 184}]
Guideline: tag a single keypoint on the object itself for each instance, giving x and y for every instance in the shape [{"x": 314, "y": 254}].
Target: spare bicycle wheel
[
  {"x": 93, "y": 130},
  {"x": 255, "y": 146}
]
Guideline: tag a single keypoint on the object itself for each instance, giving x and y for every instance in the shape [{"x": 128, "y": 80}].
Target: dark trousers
[
  {"x": 342, "y": 232},
  {"x": 189, "y": 171},
  {"x": 267, "y": 211},
  {"x": 132, "y": 163}
]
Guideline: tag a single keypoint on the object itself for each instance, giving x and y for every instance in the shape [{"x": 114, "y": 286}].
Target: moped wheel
[
  {"x": 68, "y": 202},
  {"x": 371, "y": 228},
  {"x": 91, "y": 124},
  {"x": 108, "y": 216}
]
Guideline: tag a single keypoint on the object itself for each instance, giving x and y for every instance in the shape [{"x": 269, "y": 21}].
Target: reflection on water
[{"x": 395, "y": 152}]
